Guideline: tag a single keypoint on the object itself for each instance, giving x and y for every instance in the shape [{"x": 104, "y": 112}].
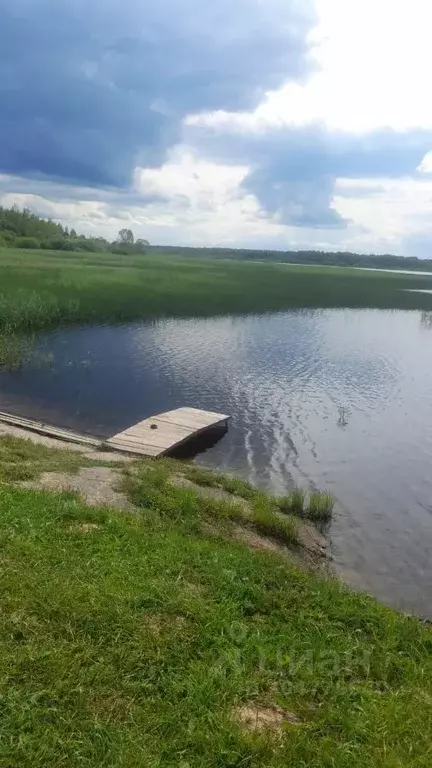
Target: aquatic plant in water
[{"x": 320, "y": 507}]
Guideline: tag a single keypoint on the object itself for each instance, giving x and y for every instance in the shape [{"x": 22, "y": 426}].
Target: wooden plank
[
  {"x": 161, "y": 436},
  {"x": 192, "y": 418},
  {"x": 140, "y": 449},
  {"x": 48, "y": 430},
  {"x": 162, "y": 433}
]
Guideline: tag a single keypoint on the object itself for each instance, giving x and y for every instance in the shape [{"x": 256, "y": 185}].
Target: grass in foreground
[{"x": 134, "y": 641}]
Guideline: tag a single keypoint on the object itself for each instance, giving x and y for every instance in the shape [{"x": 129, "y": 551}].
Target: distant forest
[
  {"x": 24, "y": 229},
  {"x": 328, "y": 258}
]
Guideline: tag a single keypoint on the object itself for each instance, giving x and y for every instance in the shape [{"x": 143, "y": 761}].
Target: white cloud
[
  {"x": 196, "y": 202},
  {"x": 426, "y": 164},
  {"x": 203, "y": 203},
  {"x": 374, "y": 59},
  {"x": 204, "y": 184},
  {"x": 397, "y": 208}
]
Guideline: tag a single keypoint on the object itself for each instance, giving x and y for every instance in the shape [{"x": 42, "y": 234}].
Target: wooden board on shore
[
  {"x": 160, "y": 434},
  {"x": 46, "y": 429}
]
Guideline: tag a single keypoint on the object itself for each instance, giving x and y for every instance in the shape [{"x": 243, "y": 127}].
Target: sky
[{"x": 286, "y": 124}]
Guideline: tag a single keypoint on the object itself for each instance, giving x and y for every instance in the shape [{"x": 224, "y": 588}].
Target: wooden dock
[
  {"x": 163, "y": 433},
  {"x": 153, "y": 437}
]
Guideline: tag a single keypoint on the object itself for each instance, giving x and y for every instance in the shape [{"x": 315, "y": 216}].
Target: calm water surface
[{"x": 337, "y": 399}]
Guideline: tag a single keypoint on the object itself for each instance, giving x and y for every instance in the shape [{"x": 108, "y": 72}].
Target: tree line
[
  {"x": 311, "y": 258},
  {"x": 24, "y": 229}
]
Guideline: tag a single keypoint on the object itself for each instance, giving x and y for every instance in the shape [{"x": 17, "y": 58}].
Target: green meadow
[{"x": 42, "y": 289}]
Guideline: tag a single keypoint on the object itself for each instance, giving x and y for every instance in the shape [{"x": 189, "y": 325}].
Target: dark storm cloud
[
  {"x": 90, "y": 88},
  {"x": 293, "y": 170},
  {"x": 72, "y": 193}
]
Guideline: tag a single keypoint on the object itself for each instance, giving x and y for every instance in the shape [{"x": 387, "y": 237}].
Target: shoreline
[
  {"x": 314, "y": 544},
  {"x": 315, "y": 547}
]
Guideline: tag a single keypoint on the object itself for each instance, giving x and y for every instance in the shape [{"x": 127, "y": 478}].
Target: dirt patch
[
  {"x": 256, "y": 718},
  {"x": 97, "y": 486},
  {"x": 158, "y": 623},
  {"x": 108, "y": 457},
  {"x": 85, "y": 528},
  {"x": 255, "y": 541},
  {"x": 112, "y": 709},
  {"x": 191, "y": 588},
  {"x": 299, "y": 556},
  {"x": 312, "y": 540}
]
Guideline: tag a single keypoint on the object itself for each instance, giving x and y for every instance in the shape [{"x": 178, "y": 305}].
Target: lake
[{"x": 336, "y": 399}]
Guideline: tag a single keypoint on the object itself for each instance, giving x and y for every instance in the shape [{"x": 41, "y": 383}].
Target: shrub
[
  {"x": 57, "y": 243},
  {"x": 7, "y": 236},
  {"x": 27, "y": 242}
]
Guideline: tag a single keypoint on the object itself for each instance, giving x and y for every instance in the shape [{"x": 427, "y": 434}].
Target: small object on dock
[{"x": 163, "y": 433}]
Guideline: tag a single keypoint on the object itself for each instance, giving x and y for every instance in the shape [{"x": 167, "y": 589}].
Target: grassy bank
[
  {"x": 157, "y": 639},
  {"x": 43, "y": 289}
]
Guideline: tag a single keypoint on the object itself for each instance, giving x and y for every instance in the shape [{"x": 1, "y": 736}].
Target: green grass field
[
  {"x": 42, "y": 289},
  {"x": 139, "y": 641}
]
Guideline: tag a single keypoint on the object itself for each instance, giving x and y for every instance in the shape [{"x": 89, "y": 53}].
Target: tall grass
[
  {"x": 42, "y": 289},
  {"x": 298, "y": 499},
  {"x": 24, "y": 312},
  {"x": 27, "y": 310},
  {"x": 45, "y": 289},
  {"x": 15, "y": 350},
  {"x": 318, "y": 508}
]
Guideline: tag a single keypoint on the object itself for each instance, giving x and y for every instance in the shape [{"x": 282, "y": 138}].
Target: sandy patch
[
  {"x": 254, "y": 717},
  {"x": 96, "y": 486},
  {"x": 85, "y": 528}
]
